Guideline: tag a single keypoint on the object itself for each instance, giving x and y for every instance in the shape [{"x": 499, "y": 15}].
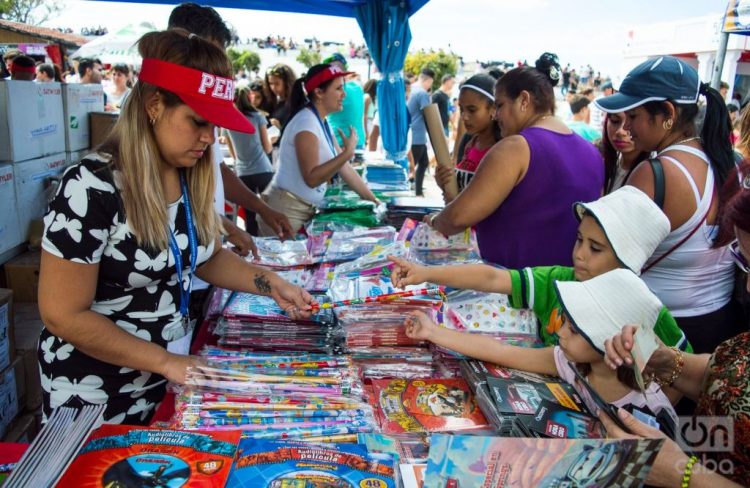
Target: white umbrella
[{"x": 116, "y": 47}]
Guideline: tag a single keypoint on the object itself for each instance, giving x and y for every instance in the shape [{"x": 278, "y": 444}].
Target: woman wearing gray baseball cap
[{"x": 688, "y": 272}]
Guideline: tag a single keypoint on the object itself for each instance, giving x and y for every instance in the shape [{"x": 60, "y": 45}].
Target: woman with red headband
[
  {"x": 309, "y": 155},
  {"x": 130, "y": 226}
]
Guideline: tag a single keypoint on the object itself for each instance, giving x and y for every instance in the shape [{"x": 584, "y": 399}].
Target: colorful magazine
[
  {"x": 122, "y": 456},
  {"x": 278, "y": 464},
  {"x": 497, "y": 462},
  {"x": 426, "y": 405}
]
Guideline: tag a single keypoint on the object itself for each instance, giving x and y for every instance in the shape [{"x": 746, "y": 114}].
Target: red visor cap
[
  {"x": 211, "y": 96},
  {"x": 327, "y": 74}
]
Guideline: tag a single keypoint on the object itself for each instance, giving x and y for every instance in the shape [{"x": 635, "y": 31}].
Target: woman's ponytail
[{"x": 715, "y": 134}]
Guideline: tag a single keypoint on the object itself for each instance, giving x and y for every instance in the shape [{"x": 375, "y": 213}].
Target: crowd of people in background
[{"x": 85, "y": 31}]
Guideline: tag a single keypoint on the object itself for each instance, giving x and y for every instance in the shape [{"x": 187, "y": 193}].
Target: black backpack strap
[{"x": 658, "y": 170}]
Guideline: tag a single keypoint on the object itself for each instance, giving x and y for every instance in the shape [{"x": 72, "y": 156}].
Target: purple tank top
[{"x": 535, "y": 225}]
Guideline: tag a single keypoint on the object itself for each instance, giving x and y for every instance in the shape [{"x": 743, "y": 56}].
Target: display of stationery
[
  {"x": 386, "y": 176},
  {"x": 274, "y": 396}
]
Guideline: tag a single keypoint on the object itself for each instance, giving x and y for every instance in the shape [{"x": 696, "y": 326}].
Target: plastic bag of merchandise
[
  {"x": 377, "y": 258},
  {"x": 475, "y": 311},
  {"x": 282, "y": 254},
  {"x": 345, "y": 246},
  {"x": 425, "y": 237}
]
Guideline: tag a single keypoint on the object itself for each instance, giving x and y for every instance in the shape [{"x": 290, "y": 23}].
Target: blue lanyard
[
  {"x": 193, "y": 242},
  {"x": 326, "y": 130}
]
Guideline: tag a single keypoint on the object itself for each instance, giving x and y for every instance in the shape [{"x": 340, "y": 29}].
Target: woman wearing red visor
[
  {"x": 130, "y": 226},
  {"x": 309, "y": 155}
]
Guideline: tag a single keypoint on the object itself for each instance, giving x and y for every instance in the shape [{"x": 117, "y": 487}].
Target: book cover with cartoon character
[
  {"x": 426, "y": 405},
  {"x": 123, "y": 456},
  {"x": 288, "y": 464}
]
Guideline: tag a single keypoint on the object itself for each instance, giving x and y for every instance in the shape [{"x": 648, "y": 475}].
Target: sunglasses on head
[
  {"x": 739, "y": 259},
  {"x": 275, "y": 71}
]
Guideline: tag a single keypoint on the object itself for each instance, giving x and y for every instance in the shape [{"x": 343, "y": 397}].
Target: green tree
[
  {"x": 29, "y": 11},
  {"x": 249, "y": 60},
  {"x": 308, "y": 57},
  {"x": 440, "y": 62}
]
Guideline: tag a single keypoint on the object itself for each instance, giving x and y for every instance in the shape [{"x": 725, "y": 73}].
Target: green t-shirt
[
  {"x": 352, "y": 114},
  {"x": 534, "y": 288},
  {"x": 584, "y": 130}
]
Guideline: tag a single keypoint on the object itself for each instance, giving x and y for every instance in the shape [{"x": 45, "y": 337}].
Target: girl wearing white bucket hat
[
  {"x": 619, "y": 230},
  {"x": 594, "y": 311}
]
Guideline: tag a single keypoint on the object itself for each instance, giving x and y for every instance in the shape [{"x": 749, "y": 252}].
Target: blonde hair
[
  {"x": 743, "y": 145},
  {"x": 135, "y": 152}
]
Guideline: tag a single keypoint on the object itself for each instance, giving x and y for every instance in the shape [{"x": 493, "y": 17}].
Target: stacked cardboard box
[{"x": 44, "y": 127}]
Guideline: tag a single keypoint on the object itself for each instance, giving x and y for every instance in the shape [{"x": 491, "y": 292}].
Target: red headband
[
  {"x": 326, "y": 74},
  {"x": 211, "y": 96},
  {"x": 14, "y": 68}
]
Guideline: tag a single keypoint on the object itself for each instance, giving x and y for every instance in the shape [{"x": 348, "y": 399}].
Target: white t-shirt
[
  {"x": 289, "y": 176},
  {"x": 199, "y": 284},
  {"x": 219, "y": 190}
]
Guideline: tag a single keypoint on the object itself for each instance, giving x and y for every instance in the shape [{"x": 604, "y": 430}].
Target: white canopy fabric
[{"x": 116, "y": 47}]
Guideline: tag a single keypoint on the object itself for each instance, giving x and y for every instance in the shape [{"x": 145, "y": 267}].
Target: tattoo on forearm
[{"x": 262, "y": 283}]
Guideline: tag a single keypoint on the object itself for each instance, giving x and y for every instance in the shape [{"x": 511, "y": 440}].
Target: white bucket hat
[
  {"x": 632, "y": 222},
  {"x": 600, "y": 307}
]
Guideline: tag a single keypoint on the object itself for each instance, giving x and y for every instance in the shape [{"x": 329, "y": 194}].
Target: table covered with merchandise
[{"x": 345, "y": 398}]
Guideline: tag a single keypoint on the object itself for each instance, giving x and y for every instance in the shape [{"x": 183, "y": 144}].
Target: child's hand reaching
[
  {"x": 419, "y": 326},
  {"x": 406, "y": 273}
]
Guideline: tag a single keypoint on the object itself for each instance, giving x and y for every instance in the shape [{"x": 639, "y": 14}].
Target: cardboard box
[
  {"x": 100, "y": 124},
  {"x": 8, "y": 397},
  {"x": 31, "y": 120},
  {"x": 7, "y": 339},
  {"x": 76, "y": 156},
  {"x": 27, "y": 326},
  {"x": 10, "y": 233},
  {"x": 78, "y": 101},
  {"x": 35, "y": 187},
  {"x": 23, "y": 430},
  {"x": 22, "y": 276}
]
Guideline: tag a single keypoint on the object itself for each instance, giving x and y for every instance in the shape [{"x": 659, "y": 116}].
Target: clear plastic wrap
[
  {"x": 282, "y": 254},
  {"x": 273, "y": 396},
  {"x": 425, "y": 237},
  {"x": 345, "y": 246},
  {"x": 491, "y": 313}
]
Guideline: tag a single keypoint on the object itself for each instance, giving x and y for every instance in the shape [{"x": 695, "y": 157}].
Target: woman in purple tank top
[{"x": 521, "y": 196}]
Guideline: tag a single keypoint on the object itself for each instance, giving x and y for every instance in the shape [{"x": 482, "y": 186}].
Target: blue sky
[{"x": 580, "y": 31}]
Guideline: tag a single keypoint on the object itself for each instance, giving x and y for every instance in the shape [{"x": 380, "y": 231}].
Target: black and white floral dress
[{"x": 137, "y": 289}]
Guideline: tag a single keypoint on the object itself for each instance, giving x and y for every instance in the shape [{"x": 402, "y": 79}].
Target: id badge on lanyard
[
  {"x": 326, "y": 131},
  {"x": 185, "y": 288}
]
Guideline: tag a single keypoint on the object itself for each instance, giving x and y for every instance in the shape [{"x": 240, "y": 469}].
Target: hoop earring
[{"x": 667, "y": 124}]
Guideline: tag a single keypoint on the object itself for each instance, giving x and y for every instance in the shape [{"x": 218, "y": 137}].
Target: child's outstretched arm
[
  {"x": 480, "y": 277},
  {"x": 420, "y": 326}
]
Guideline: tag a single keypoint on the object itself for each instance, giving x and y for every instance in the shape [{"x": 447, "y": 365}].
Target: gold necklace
[
  {"x": 694, "y": 138},
  {"x": 540, "y": 119}
]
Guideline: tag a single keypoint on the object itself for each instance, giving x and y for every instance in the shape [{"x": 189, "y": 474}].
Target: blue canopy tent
[{"x": 385, "y": 27}]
